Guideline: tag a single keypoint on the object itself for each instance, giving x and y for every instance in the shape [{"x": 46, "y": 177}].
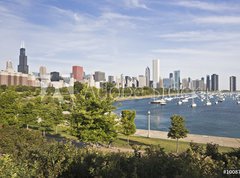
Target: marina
[{"x": 214, "y": 115}]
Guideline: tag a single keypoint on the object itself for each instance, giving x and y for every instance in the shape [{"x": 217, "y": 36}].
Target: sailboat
[
  {"x": 193, "y": 103},
  {"x": 179, "y": 99},
  {"x": 169, "y": 98},
  {"x": 162, "y": 101},
  {"x": 208, "y": 103}
]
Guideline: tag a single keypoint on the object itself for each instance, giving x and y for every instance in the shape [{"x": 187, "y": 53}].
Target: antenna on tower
[{"x": 22, "y": 44}]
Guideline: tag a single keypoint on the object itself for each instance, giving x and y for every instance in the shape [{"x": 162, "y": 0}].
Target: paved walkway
[{"x": 222, "y": 141}]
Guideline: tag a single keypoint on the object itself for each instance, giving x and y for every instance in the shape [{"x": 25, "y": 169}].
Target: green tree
[
  {"x": 127, "y": 125},
  {"x": 177, "y": 129},
  {"x": 9, "y": 107},
  {"x": 92, "y": 117},
  {"x": 27, "y": 113},
  {"x": 212, "y": 150},
  {"x": 50, "y": 113}
]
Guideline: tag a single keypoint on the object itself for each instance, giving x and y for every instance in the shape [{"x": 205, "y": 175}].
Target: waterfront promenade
[{"x": 222, "y": 141}]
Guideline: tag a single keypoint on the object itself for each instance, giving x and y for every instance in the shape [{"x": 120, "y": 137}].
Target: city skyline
[{"x": 195, "y": 37}]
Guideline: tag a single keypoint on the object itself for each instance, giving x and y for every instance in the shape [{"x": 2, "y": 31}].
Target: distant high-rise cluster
[{"x": 58, "y": 80}]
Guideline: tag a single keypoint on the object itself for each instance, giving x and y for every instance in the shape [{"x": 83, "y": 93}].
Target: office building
[
  {"x": 55, "y": 76},
  {"x": 9, "y": 77},
  {"x": 233, "y": 84},
  {"x": 156, "y": 72},
  {"x": 147, "y": 74},
  {"x": 135, "y": 82},
  {"x": 42, "y": 71},
  {"x": 77, "y": 73},
  {"x": 185, "y": 83},
  {"x": 141, "y": 81},
  {"x": 99, "y": 76},
  {"x": 214, "y": 82},
  {"x": 128, "y": 81},
  {"x": 198, "y": 85},
  {"x": 111, "y": 79},
  {"x": 167, "y": 83},
  {"x": 23, "y": 67},
  {"x": 177, "y": 80},
  {"x": 208, "y": 83}
]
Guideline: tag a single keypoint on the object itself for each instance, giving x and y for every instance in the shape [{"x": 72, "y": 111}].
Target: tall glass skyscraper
[
  {"x": 156, "y": 72},
  {"x": 208, "y": 83},
  {"x": 233, "y": 86},
  {"x": 177, "y": 79},
  {"x": 214, "y": 81},
  {"x": 147, "y": 74},
  {"x": 23, "y": 67}
]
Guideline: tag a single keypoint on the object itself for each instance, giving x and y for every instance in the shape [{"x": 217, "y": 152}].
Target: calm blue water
[{"x": 216, "y": 120}]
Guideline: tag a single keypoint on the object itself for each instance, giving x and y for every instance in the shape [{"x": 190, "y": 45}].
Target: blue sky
[{"x": 123, "y": 36}]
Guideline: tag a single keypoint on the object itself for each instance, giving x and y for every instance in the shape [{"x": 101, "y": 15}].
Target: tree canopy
[{"x": 177, "y": 129}]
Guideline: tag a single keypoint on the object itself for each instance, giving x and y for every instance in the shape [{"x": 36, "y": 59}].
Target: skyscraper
[
  {"x": 55, "y": 76},
  {"x": 214, "y": 81},
  {"x": 77, "y": 73},
  {"x": 233, "y": 86},
  {"x": 9, "y": 66},
  {"x": 111, "y": 79},
  {"x": 99, "y": 76},
  {"x": 156, "y": 72},
  {"x": 177, "y": 79},
  {"x": 42, "y": 71},
  {"x": 147, "y": 74},
  {"x": 208, "y": 83},
  {"x": 23, "y": 67},
  {"x": 142, "y": 81}
]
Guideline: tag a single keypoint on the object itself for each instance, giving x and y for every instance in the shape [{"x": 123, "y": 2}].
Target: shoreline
[
  {"x": 144, "y": 97},
  {"x": 133, "y": 97},
  {"x": 221, "y": 141}
]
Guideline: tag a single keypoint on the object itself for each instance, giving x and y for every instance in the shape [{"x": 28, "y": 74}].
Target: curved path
[{"x": 222, "y": 141}]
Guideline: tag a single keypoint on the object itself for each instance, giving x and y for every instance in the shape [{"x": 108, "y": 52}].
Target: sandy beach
[{"x": 222, "y": 141}]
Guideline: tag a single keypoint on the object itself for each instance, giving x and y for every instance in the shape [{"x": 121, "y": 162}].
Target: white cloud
[
  {"x": 135, "y": 4},
  {"x": 206, "y": 5},
  {"x": 201, "y": 36},
  {"x": 221, "y": 20}
]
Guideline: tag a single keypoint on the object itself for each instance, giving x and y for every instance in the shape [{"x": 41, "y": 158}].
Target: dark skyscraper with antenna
[{"x": 23, "y": 67}]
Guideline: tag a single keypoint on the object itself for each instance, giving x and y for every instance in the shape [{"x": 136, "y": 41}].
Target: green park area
[{"x": 79, "y": 135}]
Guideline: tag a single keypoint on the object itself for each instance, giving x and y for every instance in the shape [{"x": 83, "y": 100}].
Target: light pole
[{"x": 148, "y": 124}]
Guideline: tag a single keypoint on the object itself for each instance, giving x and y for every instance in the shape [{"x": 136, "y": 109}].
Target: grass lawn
[
  {"x": 121, "y": 141},
  {"x": 168, "y": 145}
]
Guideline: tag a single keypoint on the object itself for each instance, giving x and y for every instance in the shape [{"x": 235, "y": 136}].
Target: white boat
[
  {"x": 238, "y": 102},
  {"x": 216, "y": 102},
  {"x": 208, "y": 103},
  {"x": 185, "y": 100},
  {"x": 179, "y": 102},
  {"x": 193, "y": 103},
  {"x": 161, "y": 102}
]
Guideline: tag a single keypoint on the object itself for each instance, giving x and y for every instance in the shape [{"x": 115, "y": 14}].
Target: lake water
[{"x": 222, "y": 119}]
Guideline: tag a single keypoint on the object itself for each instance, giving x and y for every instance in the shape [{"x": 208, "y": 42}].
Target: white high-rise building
[
  {"x": 9, "y": 66},
  {"x": 156, "y": 72},
  {"x": 141, "y": 81}
]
